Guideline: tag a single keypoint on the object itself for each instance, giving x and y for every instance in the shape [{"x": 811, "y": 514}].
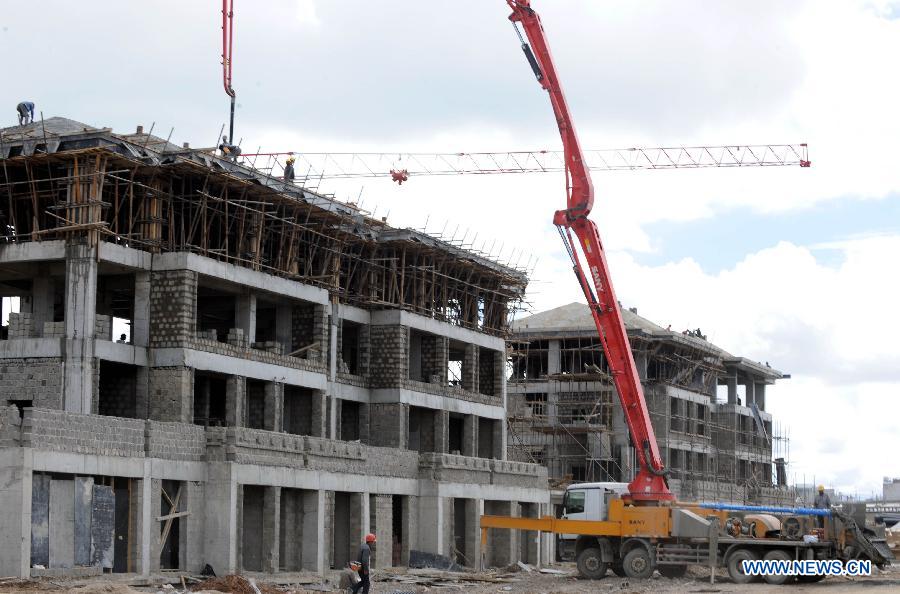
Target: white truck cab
[
  {"x": 586, "y": 501},
  {"x": 589, "y": 501}
]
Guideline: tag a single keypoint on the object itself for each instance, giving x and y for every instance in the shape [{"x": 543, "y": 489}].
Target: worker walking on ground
[
  {"x": 289, "y": 170},
  {"x": 823, "y": 501},
  {"x": 364, "y": 560},
  {"x": 25, "y": 110}
]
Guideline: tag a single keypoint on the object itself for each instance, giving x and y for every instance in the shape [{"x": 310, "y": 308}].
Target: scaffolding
[
  {"x": 563, "y": 413},
  {"x": 63, "y": 180}
]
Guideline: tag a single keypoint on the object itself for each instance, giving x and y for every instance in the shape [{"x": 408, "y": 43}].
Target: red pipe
[{"x": 227, "y": 39}]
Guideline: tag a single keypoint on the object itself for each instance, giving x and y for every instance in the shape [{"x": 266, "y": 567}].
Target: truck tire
[
  {"x": 777, "y": 555},
  {"x": 590, "y": 564},
  {"x": 672, "y": 571},
  {"x": 735, "y": 571},
  {"x": 638, "y": 564}
]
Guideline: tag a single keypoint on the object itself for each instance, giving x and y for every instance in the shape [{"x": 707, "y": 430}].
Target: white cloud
[{"x": 306, "y": 13}]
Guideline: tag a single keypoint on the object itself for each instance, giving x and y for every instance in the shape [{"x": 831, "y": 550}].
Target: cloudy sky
[{"x": 793, "y": 266}]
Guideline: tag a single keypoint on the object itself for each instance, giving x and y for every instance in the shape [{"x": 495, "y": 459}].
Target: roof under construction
[{"x": 60, "y": 178}]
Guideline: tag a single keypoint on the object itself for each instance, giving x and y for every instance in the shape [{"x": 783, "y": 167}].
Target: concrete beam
[
  {"x": 393, "y": 317},
  {"x": 125, "y": 256},
  {"x": 206, "y": 361},
  {"x": 433, "y": 401},
  {"x": 239, "y": 275},
  {"x": 35, "y": 251}
]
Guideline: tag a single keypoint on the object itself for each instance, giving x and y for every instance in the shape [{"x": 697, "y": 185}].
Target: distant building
[{"x": 708, "y": 407}]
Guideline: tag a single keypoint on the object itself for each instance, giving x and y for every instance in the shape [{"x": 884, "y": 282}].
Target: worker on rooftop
[
  {"x": 25, "y": 110},
  {"x": 289, "y": 170},
  {"x": 364, "y": 560},
  {"x": 229, "y": 150}
]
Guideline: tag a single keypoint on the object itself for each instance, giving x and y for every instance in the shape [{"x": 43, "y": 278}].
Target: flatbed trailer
[{"x": 636, "y": 540}]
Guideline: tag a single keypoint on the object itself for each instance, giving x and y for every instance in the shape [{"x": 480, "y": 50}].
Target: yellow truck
[{"x": 634, "y": 540}]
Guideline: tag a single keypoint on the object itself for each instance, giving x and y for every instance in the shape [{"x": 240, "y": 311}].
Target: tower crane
[{"x": 403, "y": 165}]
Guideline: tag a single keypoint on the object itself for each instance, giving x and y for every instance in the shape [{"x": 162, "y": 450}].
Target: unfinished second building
[
  {"x": 707, "y": 407},
  {"x": 203, "y": 364}
]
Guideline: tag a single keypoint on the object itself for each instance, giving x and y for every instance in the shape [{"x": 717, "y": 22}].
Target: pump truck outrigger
[{"x": 638, "y": 529}]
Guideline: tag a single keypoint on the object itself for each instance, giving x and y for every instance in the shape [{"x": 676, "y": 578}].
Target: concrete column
[
  {"x": 193, "y": 554},
  {"x": 500, "y": 374},
  {"x": 553, "y": 360},
  {"x": 81, "y": 308},
  {"x": 359, "y": 520},
  {"x": 313, "y": 547},
  {"x": 146, "y": 520},
  {"x": 501, "y": 544},
  {"x": 15, "y": 513},
  {"x": 319, "y": 413},
  {"x": 220, "y": 511},
  {"x": 474, "y": 511},
  {"x": 236, "y": 401},
  {"x": 155, "y": 503},
  {"x": 245, "y": 315},
  {"x": 41, "y": 300},
  {"x": 470, "y": 368},
  {"x": 384, "y": 530},
  {"x": 274, "y": 406},
  {"x": 432, "y": 533},
  {"x": 552, "y": 407},
  {"x": 284, "y": 327},
  {"x": 750, "y": 397},
  {"x": 470, "y": 436},
  {"x": 441, "y": 431},
  {"x": 760, "y": 394},
  {"x": 499, "y": 429},
  {"x": 334, "y": 417},
  {"x": 731, "y": 382},
  {"x": 271, "y": 527},
  {"x": 140, "y": 324},
  {"x": 409, "y": 509}
]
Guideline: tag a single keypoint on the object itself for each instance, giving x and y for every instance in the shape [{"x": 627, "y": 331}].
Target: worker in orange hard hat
[
  {"x": 289, "y": 170},
  {"x": 364, "y": 561}
]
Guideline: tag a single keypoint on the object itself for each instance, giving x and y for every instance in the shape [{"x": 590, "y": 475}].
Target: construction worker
[
  {"x": 289, "y": 170},
  {"x": 229, "y": 150},
  {"x": 823, "y": 501},
  {"x": 25, "y": 110},
  {"x": 364, "y": 559}
]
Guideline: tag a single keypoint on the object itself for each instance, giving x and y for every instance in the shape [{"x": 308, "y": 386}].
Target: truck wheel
[
  {"x": 637, "y": 564},
  {"x": 591, "y": 564},
  {"x": 735, "y": 571},
  {"x": 672, "y": 571},
  {"x": 618, "y": 569},
  {"x": 777, "y": 555}
]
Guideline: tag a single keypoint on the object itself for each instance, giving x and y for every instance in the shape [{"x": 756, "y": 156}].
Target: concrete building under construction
[
  {"x": 204, "y": 364},
  {"x": 708, "y": 408}
]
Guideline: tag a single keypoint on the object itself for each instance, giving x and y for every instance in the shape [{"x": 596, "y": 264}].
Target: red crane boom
[{"x": 649, "y": 485}]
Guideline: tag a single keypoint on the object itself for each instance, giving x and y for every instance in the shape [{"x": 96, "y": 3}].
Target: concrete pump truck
[{"x": 641, "y": 528}]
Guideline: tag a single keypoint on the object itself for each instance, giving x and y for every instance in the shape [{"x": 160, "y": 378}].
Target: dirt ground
[{"x": 401, "y": 581}]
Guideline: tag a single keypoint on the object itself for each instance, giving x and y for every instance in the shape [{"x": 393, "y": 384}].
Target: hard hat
[
  {"x": 821, "y": 487},
  {"x": 290, "y": 159},
  {"x": 370, "y": 538}
]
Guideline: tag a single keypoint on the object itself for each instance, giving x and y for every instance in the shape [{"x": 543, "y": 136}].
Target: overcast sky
[{"x": 793, "y": 266}]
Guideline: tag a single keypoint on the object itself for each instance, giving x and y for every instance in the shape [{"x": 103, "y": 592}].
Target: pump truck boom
[{"x": 649, "y": 484}]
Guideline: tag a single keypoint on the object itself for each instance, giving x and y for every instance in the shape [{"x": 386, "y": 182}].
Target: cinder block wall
[
  {"x": 173, "y": 307},
  {"x": 389, "y": 355}
]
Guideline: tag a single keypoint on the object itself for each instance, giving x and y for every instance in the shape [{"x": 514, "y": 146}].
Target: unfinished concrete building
[
  {"x": 708, "y": 408},
  {"x": 202, "y": 364}
]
